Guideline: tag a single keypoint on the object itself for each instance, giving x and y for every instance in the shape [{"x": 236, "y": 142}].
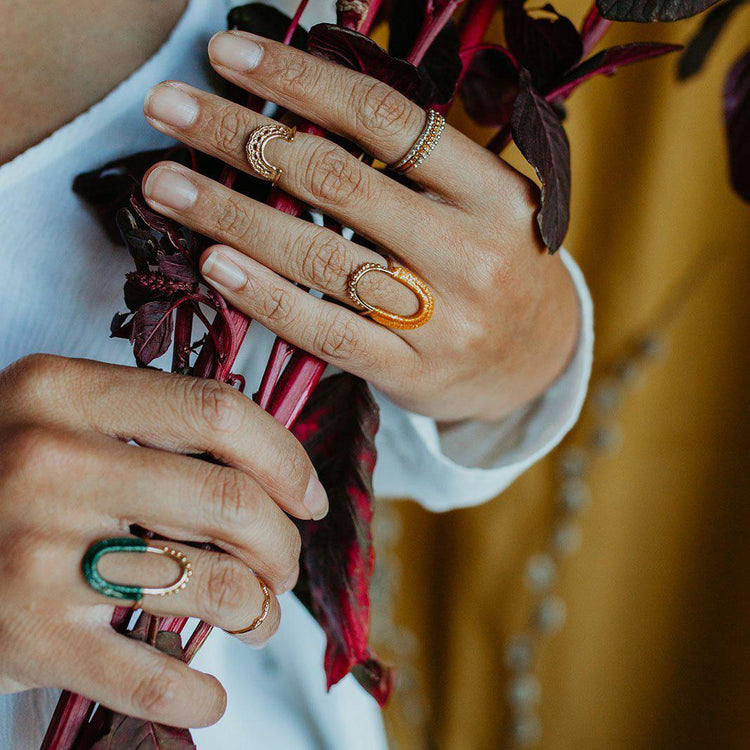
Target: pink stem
[
  {"x": 295, "y": 21},
  {"x": 593, "y": 29},
  {"x": 431, "y": 28}
]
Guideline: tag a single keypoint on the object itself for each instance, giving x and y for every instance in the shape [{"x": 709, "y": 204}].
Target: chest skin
[{"x": 57, "y": 58}]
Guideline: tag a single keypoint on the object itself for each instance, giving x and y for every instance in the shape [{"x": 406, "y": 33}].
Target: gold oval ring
[
  {"x": 255, "y": 149},
  {"x": 425, "y": 298}
]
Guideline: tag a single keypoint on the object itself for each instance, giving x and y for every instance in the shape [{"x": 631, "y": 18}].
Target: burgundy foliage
[
  {"x": 646, "y": 11},
  {"x": 540, "y": 136},
  {"x": 737, "y": 117},
  {"x": 337, "y": 428},
  {"x": 490, "y": 86}
]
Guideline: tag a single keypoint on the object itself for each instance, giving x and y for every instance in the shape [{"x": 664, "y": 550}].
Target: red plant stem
[
  {"x": 280, "y": 354},
  {"x": 372, "y": 12},
  {"x": 295, "y": 21},
  {"x": 183, "y": 331},
  {"x": 593, "y": 29},
  {"x": 430, "y": 29}
]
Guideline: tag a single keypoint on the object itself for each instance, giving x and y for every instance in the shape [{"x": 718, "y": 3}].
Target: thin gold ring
[
  {"x": 423, "y": 293},
  {"x": 255, "y": 149},
  {"x": 258, "y": 621},
  {"x": 424, "y": 145}
]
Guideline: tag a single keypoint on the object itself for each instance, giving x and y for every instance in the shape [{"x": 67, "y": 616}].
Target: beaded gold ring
[
  {"x": 425, "y": 298},
  {"x": 424, "y": 145},
  {"x": 255, "y": 149},
  {"x": 132, "y": 545}
]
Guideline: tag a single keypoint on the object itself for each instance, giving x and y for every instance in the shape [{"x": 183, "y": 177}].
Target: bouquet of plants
[{"x": 437, "y": 52}]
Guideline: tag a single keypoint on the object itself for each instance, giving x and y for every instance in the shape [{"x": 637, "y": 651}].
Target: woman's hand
[
  {"x": 68, "y": 478},
  {"x": 506, "y": 314}
]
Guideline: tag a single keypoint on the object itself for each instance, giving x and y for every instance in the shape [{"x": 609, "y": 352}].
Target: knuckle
[
  {"x": 339, "y": 340},
  {"x": 33, "y": 375},
  {"x": 333, "y": 177},
  {"x": 216, "y": 405},
  {"x": 230, "y": 219},
  {"x": 229, "y": 129},
  {"x": 227, "y": 587},
  {"x": 34, "y": 449},
  {"x": 382, "y": 110},
  {"x": 277, "y": 307},
  {"x": 156, "y": 691},
  {"x": 325, "y": 261},
  {"x": 226, "y": 491},
  {"x": 298, "y": 74}
]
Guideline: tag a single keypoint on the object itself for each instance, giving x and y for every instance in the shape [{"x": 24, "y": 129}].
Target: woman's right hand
[{"x": 68, "y": 478}]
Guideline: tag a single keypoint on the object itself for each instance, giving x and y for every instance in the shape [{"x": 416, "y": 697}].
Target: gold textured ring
[
  {"x": 258, "y": 621},
  {"x": 425, "y": 298},
  {"x": 255, "y": 149},
  {"x": 424, "y": 145}
]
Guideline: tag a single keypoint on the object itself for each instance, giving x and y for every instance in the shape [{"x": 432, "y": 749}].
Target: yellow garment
[{"x": 654, "y": 653}]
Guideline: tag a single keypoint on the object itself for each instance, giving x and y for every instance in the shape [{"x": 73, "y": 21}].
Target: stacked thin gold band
[
  {"x": 424, "y": 145},
  {"x": 425, "y": 298},
  {"x": 258, "y": 621},
  {"x": 255, "y": 149}
]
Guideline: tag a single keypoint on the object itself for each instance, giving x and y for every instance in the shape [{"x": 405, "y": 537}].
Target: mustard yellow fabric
[{"x": 655, "y": 650}]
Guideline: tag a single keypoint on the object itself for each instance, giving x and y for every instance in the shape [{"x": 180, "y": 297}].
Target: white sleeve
[{"x": 471, "y": 462}]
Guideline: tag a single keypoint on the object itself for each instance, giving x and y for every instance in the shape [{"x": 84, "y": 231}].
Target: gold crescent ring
[
  {"x": 425, "y": 298},
  {"x": 255, "y": 149}
]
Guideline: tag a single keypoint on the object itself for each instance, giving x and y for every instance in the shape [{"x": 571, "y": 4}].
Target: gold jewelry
[
  {"x": 255, "y": 149},
  {"x": 424, "y": 145},
  {"x": 258, "y": 621},
  {"x": 132, "y": 545},
  {"x": 404, "y": 276}
]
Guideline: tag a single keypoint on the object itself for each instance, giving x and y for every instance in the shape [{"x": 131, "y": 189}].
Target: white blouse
[{"x": 60, "y": 283}]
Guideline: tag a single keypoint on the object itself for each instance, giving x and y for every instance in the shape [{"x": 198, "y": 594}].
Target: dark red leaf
[
  {"x": 264, "y": 20},
  {"x": 360, "y": 53},
  {"x": 541, "y": 138},
  {"x": 152, "y": 331},
  {"x": 337, "y": 428},
  {"x": 607, "y": 62},
  {"x": 737, "y": 119},
  {"x": 646, "y": 11},
  {"x": 120, "y": 327},
  {"x": 406, "y": 19},
  {"x": 441, "y": 67},
  {"x": 692, "y": 59},
  {"x": 178, "y": 268},
  {"x": 490, "y": 86},
  {"x": 547, "y": 45}
]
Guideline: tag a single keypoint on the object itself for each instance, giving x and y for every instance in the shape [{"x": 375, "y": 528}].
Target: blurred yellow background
[{"x": 654, "y": 652}]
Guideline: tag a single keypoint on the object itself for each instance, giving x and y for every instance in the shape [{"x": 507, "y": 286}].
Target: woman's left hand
[{"x": 506, "y": 314}]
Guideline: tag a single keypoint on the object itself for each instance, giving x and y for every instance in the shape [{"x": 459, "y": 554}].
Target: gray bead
[
  {"x": 627, "y": 371},
  {"x": 527, "y": 731},
  {"x": 573, "y": 462},
  {"x": 574, "y": 495},
  {"x": 566, "y": 538},
  {"x": 540, "y": 573},
  {"x": 606, "y": 438},
  {"x": 550, "y": 614},
  {"x": 524, "y": 691},
  {"x": 652, "y": 345},
  {"x": 519, "y": 653}
]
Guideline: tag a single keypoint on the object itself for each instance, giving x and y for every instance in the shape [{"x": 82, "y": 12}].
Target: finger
[
  {"x": 304, "y": 252},
  {"x": 191, "y": 500},
  {"x": 314, "y": 169},
  {"x": 171, "y": 412},
  {"x": 221, "y": 590},
  {"x": 384, "y": 122},
  {"x": 137, "y": 680},
  {"x": 327, "y": 330}
]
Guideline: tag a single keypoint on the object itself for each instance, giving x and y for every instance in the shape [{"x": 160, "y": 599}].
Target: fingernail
[
  {"x": 316, "y": 500},
  {"x": 220, "y": 269},
  {"x": 170, "y": 188},
  {"x": 171, "y": 106},
  {"x": 290, "y": 582},
  {"x": 235, "y": 51}
]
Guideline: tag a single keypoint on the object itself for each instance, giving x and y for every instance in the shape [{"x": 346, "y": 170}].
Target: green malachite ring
[{"x": 131, "y": 544}]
